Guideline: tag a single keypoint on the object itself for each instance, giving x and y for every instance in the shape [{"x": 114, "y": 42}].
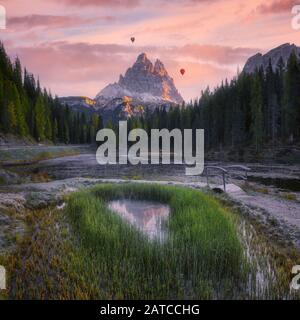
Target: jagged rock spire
[{"x": 144, "y": 82}]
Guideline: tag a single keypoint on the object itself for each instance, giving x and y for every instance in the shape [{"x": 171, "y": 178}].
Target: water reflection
[{"x": 149, "y": 217}]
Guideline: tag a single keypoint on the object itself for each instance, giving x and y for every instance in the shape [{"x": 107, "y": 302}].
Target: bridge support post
[{"x": 224, "y": 181}]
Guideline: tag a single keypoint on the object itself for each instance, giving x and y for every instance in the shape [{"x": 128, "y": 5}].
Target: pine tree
[
  {"x": 55, "y": 132},
  {"x": 66, "y": 133},
  {"x": 256, "y": 109},
  {"x": 292, "y": 98},
  {"x": 96, "y": 124},
  {"x": 12, "y": 118},
  {"x": 9, "y": 114},
  {"x": 17, "y": 75},
  {"x": 272, "y": 108},
  {"x": 2, "y": 111},
  {"x": 39, "y": 119},
  {"x": 21, "y": 125}
]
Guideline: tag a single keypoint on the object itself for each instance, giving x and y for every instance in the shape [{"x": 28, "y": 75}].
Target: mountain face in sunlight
[{"x": 144, "y": 84}]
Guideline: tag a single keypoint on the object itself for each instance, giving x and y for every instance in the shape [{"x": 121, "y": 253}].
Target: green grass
[
  {"x": 202, "y": 257},
  {"x": 88, "y": 252},
  {"x": 289, "y": 196}
]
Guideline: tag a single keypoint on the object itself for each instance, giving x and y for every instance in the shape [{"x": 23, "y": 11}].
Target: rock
[
  {"x": 80, "y": 104},
  {"x": 144, "y": 85},
  {"x": 7, "y": 177},
  {"x": 259, "y": 60},
  {"x": 217, "y": 190},
  {"x": 10, "y": 230},
  {"x": 40, "y": 200},
  {"x": 12, "y": 201}
]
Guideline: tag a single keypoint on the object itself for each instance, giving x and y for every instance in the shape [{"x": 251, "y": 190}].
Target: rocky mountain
[
  {"x": 259, "y": 60},
  {"x": 81, "y": 104},
  {"x": 144, "y": 85}
]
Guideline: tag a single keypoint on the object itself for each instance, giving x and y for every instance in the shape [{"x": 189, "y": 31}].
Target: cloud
[
  {"x": 37, "y": 20},
  {"x": 84, "y": 69},
  {"x": 50, "y": 21},
  {"x": 277, "y": 6},
  {"x": 63, "y": 62},
  {"x": 101, "y": 3},
  {"x": 216, "y": 53}
]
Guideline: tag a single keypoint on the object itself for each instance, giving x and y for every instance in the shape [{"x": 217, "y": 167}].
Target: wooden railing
[{"x": 226, "y": 172}]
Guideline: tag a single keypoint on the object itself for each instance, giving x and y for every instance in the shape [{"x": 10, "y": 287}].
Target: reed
[{"x": 202, "y": 257}]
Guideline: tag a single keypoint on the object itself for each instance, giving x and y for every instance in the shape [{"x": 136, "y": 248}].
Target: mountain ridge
[
  {"x": 143, "y": 83},
  {"x": 146, "y": 86},
  {"x": 274, "y": 55}
]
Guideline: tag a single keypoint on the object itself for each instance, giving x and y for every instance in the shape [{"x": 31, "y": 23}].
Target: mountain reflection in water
[{"x": 148, "y": 217}]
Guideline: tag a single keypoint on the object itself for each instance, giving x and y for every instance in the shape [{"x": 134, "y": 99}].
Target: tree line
[
  {"x": 250, "y": 110},
  {"x": 27, "y": 110}
]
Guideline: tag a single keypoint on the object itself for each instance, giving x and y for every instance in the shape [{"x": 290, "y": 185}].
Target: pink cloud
[
  {"x": 84, "y": 69},
  {"x": 63, "y": 42},
  {"x": 198, "y": 77},
  {"x": 278, "y": 6},
  {"x": 102, "y": 3},
  {"x": 35, "y": 20},
  {"x": 71, "y": 63},
  {"x": 50, "y": 21},
  {"x": 217, "y": 53}
]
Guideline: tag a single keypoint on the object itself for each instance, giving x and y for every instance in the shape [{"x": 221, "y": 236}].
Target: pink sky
[{"x": 76, "y": 47}]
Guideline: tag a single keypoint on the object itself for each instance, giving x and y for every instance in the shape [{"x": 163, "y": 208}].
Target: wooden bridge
[{"x": 233, "y": 171}]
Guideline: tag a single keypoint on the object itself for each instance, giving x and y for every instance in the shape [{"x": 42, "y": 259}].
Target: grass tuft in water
[{"x": 201, "y": 258}]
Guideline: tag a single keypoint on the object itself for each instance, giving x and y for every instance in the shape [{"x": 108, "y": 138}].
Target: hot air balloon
[
  {"x": 132, "y": 39},
  {"x": 182, "y": 71}
]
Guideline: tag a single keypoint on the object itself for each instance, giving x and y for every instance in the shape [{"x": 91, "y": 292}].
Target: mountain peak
[
  {"x": 144, "y": 83},
  {"x": 275, "y": 55},
  {"x": 142, "y": 64},
  {"x": 142, "y": 58},
  {"x": 159, "y": 68}
]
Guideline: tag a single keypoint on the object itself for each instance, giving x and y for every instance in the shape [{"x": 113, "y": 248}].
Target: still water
[{"x": 149, "y": 217}]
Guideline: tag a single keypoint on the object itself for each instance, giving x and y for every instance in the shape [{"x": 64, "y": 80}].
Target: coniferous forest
[
  {"x": 27, "y": 110},
  {"x": 91, "y": 209},
  {"x": 251, "y": 110}
]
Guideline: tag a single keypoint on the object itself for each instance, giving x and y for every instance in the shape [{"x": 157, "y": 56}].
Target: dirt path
[{"x": 281, "y": 216}]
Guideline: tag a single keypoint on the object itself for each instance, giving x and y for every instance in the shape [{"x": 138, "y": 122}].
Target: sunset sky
[{"x": 76, "y": 47}]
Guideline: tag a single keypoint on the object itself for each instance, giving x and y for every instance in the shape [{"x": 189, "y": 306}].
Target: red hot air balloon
[
  {"x": 182, "y": 71},
  {"x": 132, "y": 39}
]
